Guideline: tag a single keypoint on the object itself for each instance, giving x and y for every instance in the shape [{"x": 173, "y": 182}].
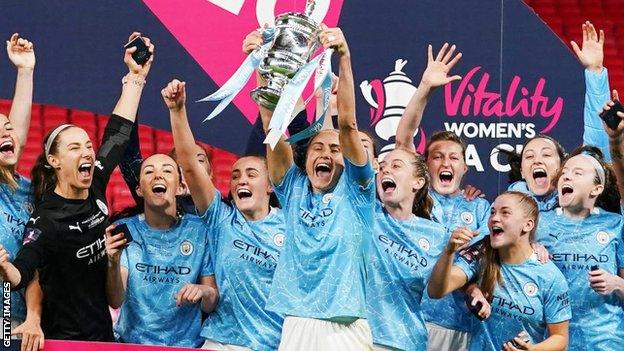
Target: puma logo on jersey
[
  {"x": 34, "y": 220},
  {"x": 75, "y": 227}
]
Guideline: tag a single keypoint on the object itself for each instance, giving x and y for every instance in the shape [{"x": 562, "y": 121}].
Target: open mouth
[
  {"x": 388, "y": 185},
  {"x": 159, "y": 189},
  {"x": 85, "y": 169},
  {"x": 496, "y": 231},
  {"x": 243, "y": 193},
  {"x": 446, "y": 177},
  {"x": 322, "y": 170},
  {"x": 7, "y": 148},
  {"x": 566, "y": 190},
  {"x": 540, "y": 176}
]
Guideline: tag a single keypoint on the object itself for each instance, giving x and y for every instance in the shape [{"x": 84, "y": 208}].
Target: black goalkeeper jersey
[{"x": 64, "y": 239}]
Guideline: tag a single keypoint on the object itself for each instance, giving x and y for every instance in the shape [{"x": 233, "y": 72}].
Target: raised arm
[
  {"x": 434, "y": 76},
  {"x": 446, "y": 277},
  {"x": 616, "y": 145},
  {"x": 133, "y": 82},
  {"x": 200, "y": 185},
  {"x": 350, "y": 140},
  {"x": 22, "y": 55},
  {"x": 591, "y": 56}
]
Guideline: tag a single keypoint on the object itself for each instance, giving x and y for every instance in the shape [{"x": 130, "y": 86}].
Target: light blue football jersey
[
  {"x": 15, "y": 209},
  {"x": 402, "y": 256},
  {"x": 575, "y": 246},
  {"x": 453, "y": 212},
  {"x": 246, "y": 254},
  {"x": 545, "y": 203},
  {"x": 533, "y": 295},
  {"x": 160, "y": 263},
  {"x": 322, "y": 272}
]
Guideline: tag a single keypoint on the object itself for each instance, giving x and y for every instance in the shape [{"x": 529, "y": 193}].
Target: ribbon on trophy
[
  {"x": 235, "y": 84},
  {"x": 283, "y": 114},
  {"x": 323, "y": 80}
]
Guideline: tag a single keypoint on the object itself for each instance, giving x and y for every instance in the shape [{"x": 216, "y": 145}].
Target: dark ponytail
[
  {"x": 43, "y": 176},
  {"x": 422, "y": 201}
]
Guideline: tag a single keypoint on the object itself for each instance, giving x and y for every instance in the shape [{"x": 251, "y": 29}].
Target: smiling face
[
  {"x": 9, "y": 145},
  {"x": 159, "y": 181},
  {"x": 509, "y": 221},
  {"x": 73, "y": 159},
  {"x": 447, "y": 167},
  {"x": 397, "y": 182},
  {"x": 250, "y": 186},
  {"x": 577, "y": 185},
  {"x": 540, "y": 164},
  {"x": 324, "y": 162}
]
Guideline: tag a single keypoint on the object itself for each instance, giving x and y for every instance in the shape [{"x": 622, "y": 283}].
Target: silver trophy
[{"x": 294, "y": 41}]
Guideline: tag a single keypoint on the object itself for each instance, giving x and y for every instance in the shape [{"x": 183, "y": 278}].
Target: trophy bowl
[{"x": 294, "y": 41}]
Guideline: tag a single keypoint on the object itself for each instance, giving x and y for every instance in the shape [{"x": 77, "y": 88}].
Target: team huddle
[{"x": 319, "y": 245}]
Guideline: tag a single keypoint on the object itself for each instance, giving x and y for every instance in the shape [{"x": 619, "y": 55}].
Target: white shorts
[
  {"x": 443, "y": 339},
  {"x": 217, "y": 346},
  {"x": 309, "y": 334}
]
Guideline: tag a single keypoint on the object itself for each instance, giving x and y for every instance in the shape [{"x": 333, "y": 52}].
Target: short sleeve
[
  {"x": 483, "y": 216},
  {"x": 207, "y": 267},
  {"x": 619, "y": 250},
  {"x": 217, "y": 212},
  {"x": 358, "y": 175},
  {"x": 124, "y": 260},
  {"x": 556, "y": 300},
  {"x": 294, "y": 177}
]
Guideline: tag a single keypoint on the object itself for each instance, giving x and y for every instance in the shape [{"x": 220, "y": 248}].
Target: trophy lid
[{"x": 298, "y": 17}]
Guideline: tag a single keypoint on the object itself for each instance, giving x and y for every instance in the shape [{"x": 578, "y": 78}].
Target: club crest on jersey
[
  {"x": 530, "y": 289},
  {"x": 467, "y": 217},
  {"x": 186, "y": 248},
  {"x": 424, "y": 244},
  {"x": 102, "y": 206},
  {"x": 278, "y": 239},
  {"x": 29, "y": 207},
  {"x": 32, "y": 234},
  {"x": 602, "y": 237},
  {"x": 327, "y": 197}
]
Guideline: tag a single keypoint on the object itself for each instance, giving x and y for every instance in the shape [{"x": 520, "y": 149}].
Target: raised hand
[
  {"x": 114, "y": 244},
  {"x": 436, "y": 73},
  {"x": 174, "y": 95},
  {"x": 21, "y": 52},
  {"x": 134, "y": 67},
  {"x": 459, "y": 239},
  {"x": 591, "y": 54},
  {"x": 334, "y": 38}
]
